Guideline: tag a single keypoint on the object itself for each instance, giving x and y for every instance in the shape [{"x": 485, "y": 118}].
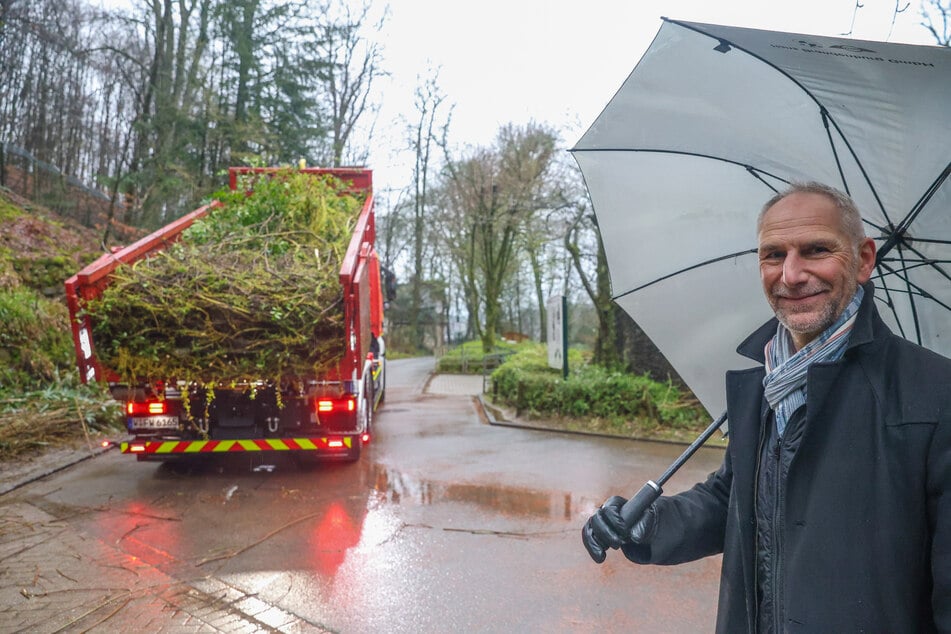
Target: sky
[{"x": 559, "y": 62}]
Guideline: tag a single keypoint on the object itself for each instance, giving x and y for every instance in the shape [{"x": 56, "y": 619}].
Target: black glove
[
  {"x": 605, "y": 529},
  {"x": 643, "y": 531}
]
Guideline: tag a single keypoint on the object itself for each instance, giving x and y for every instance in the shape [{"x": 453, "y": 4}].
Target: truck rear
[{"x": 321, "y": 415}]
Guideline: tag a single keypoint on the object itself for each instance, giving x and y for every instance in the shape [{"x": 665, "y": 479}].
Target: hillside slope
[{"x": 42, "y": 403}]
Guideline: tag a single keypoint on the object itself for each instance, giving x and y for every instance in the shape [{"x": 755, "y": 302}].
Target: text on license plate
[{"x": 154, "y": 422}]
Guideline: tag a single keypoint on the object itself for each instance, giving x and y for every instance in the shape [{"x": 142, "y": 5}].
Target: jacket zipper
[
  {"x": 759, "y": 452},
  {"x": 778, "y": 504}
]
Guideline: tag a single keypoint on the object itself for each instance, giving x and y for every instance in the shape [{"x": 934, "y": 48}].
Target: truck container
[{"x": 329, "y": 415}]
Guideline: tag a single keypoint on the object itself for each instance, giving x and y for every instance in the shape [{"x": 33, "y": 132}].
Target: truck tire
[
  {"x": 355, "y": 449},
  {"x": 382, "y": 396}
]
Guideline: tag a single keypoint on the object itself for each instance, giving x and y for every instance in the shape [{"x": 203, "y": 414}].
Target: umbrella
[{"x": 711, "y": 123}]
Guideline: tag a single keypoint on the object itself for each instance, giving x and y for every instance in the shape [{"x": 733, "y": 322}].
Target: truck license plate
[{"x": 155, "y": 422}]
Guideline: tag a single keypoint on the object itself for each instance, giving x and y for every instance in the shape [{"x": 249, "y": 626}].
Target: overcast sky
[{"x": 560, "y": 61}]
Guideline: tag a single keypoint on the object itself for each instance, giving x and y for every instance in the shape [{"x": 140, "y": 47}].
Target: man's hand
[{"x": 605, "y": 529}]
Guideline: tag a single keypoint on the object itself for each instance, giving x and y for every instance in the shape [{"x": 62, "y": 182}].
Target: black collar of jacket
[{"x": 867, "y": 323}]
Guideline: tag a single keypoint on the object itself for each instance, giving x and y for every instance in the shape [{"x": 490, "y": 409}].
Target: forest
[{"x": 125, "y": 116}]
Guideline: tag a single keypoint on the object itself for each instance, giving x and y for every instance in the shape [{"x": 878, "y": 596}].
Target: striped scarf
[{"x": 785, "y": 380}]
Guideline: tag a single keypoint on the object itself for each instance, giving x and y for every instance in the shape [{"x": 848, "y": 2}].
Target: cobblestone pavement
[{"x": 55, "y": 579}]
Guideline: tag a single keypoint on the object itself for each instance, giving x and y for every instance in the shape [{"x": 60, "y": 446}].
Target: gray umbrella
[{"x": 714, "y": 120}]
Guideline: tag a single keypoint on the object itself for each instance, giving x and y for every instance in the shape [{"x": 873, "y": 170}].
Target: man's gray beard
[{"x": 826, "y": 319}]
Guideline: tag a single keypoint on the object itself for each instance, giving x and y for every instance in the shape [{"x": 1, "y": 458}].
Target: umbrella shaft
[
  {"x": 692, "y": 449},
  {"x": 634, "y": 508}
]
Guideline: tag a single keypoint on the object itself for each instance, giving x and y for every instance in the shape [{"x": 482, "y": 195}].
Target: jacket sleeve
[
  {"x": 939, "y": 509},
  {"x": 689, "y": 525}
]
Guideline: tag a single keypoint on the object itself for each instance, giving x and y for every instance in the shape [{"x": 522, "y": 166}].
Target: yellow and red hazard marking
[{"x": 168, "y": 447}]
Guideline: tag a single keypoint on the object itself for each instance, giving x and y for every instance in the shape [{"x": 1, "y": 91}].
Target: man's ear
[{"x": 866, "y": 260}]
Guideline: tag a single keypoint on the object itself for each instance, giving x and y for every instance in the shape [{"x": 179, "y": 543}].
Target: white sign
[{"x": 556, "y": 330}]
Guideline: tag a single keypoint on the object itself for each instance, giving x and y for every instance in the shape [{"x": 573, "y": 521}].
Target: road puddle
[{"x": 396, "y": 487}]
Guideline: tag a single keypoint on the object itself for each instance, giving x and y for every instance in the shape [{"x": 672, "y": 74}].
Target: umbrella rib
[
  {"x": 911, "y": 300},
  {"x": 685, "y": 270},
  {"x": 835, "y": 152},
  {"x": 891, "y": 304},
  {"x": 755, "y": 171},
  {"x": 902, "y": 228},
  {"x": 901, "y": 274},
  {"x": 919, "y": 291},
  {"x": 808, "y": 93}
]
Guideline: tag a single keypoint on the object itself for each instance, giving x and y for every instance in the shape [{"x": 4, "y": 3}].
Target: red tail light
[
  {"x": 135, "y": 408},
  {"x": 327, "y": 405}
]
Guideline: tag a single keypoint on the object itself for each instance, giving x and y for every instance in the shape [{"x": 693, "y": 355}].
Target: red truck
[{"x": 321, "y": 416}]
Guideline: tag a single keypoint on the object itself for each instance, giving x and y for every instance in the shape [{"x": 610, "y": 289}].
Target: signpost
[{"x": 558, "y": 334}]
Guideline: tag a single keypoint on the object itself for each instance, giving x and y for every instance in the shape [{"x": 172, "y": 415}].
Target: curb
[
  {"x": 496, "y": 417},
  {"x": 47, "y": 464}
]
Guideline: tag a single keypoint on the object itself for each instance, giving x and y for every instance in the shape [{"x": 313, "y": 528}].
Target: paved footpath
[{"x": 55, "y": 579}]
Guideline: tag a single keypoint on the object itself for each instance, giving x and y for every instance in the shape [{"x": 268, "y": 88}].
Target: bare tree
[
  {"x": 490, "y": 195},
  {"x": 424, "y": 134},
  {"x": 936, "y": 17},
  {"x": 583, "y": 243},
  {"x": 349, "y": 65}
]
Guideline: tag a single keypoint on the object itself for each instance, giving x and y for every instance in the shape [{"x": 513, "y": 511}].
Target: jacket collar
[{"x": 867, "y": 324}]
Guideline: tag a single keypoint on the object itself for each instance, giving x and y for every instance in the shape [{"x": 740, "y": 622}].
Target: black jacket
[{"x": 866, "y": 515}]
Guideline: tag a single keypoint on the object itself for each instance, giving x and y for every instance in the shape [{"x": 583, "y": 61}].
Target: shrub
[{"x": 526, "y": 383}]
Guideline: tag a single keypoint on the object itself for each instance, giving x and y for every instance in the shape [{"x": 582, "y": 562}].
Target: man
[{"x": 832, "y": 507}]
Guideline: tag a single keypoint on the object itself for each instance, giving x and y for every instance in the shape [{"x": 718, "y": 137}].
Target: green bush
[
  {"x": 526, "y": 383},
  {"x": 468, "y": 357},
  {"x": 35, "y": 339}
]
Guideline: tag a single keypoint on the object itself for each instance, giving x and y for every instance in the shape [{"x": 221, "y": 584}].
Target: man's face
[{"x": 809, "y": 267}]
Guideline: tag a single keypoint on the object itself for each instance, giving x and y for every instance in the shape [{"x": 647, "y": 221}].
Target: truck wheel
[
  {"x": 379, "y": 400},
  {"x": 368, "y": 410},
  {"x": 355, "y": 448}
]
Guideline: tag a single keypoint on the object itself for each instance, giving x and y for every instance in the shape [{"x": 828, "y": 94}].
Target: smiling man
[
  {"x": 832, "y": 507},
  {"x": 813, "y": 254}
]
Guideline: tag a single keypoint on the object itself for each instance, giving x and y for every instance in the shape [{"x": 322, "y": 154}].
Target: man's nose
[{"x": 794, "y": 271}]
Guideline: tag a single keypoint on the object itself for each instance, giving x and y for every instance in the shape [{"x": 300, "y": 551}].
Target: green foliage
[
  {"x": 468, "y": 357},
  {"x": 250, "y": 291},
  {"x": 526, "y": 382},
  {"x": 8, "y": 211},
  {"x": 44, "y": 272},
  {"x": 35, "y": 341}
]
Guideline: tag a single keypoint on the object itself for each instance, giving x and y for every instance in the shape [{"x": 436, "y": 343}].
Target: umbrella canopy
[{"x": 711, "y": 123}]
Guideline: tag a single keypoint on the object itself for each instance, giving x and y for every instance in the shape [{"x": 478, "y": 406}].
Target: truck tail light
[
  {"x": 135, "y": 408},
  {"x": 328, "y": 405}
]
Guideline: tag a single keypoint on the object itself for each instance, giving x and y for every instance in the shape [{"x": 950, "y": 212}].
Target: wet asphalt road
[{"x": 447, "y": 524}]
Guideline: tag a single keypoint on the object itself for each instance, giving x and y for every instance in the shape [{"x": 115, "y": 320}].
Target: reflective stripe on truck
[{"x": 220, "y": 446}]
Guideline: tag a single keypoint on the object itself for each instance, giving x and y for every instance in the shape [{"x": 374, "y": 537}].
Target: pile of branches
[
  {"x": 56, "y": 416},
  {"x": 250, "y": 292}
]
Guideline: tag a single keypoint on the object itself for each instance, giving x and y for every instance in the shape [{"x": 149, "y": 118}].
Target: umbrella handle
[{"x": 634, "y": 508}]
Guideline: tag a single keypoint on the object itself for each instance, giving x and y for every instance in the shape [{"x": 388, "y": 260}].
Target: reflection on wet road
[
  {"x": 399, "y": 488},
  {"x": 446, "y": 524}
]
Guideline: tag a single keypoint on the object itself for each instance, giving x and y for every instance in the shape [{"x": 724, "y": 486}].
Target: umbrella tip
[{"x": 723, "y": 47}]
